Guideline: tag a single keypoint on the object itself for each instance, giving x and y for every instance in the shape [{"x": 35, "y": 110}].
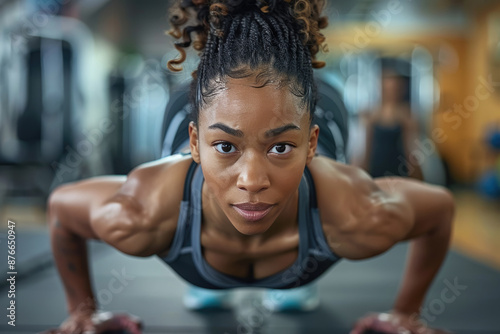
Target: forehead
[{"x": 242, "y": 102}]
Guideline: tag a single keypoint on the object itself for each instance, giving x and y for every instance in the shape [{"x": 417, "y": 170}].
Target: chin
[{"x": 250, "y": 228}]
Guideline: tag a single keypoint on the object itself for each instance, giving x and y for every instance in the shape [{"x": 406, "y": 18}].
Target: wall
[{"x": 467, "y": 102}]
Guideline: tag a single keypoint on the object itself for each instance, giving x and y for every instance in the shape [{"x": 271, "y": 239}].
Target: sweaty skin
[{"x": 253, "y": 144}]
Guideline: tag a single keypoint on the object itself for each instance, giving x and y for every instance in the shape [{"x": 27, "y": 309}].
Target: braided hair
[{"x": 275, "y": 40}]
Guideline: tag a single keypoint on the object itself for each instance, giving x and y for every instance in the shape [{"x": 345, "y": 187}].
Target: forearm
[
  {"x": 70, "y": 255},
  {"x": 431, "y": 210},
  {"x": 69, "y": 216},
  {"x": 69, "y": 226},
  {"x": 427, "y": 253}
]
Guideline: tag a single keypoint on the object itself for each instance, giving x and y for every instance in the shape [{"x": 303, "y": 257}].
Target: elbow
[
  {"x": 441, "y": 215},
  {"x": 54, "y": 205},
  {"x": 449, "y": 203},
  {"x": 447, "y": 212}
]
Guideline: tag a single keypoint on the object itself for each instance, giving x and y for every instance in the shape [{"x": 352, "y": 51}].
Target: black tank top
[
  {"x": 186, "y": 259},
  {"x": 387, "y": 154}
]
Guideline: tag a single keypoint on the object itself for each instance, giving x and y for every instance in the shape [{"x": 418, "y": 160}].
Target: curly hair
[{"x": 275, "y": 40}]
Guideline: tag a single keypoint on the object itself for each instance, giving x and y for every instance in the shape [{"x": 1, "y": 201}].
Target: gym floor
[{"x": 469, "y": 280}]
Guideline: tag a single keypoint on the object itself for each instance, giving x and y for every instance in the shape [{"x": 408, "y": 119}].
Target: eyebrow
[
  {"x": 281, "y": 129},
  {"x": 227, "y": 129},
  {"x": 269, "y": 133}
]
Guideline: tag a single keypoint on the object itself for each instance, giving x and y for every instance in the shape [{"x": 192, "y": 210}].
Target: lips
[{"x": 253, "y": 211}]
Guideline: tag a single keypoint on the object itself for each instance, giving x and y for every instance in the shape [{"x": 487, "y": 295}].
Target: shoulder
[
  {"x": 359, "y": 219},
  {"x": 141, "y": 217},
  {"x": 335, "y": 178},
  {"x": 158, "y": 182},
  {"x": 156, "y": 187}
]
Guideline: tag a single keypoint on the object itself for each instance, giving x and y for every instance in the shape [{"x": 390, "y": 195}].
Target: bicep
[
  {"x": 141, "y": 218},
  {"x": 387, "y": 222},
  {"x": 132, "y": 220},
  {"x": 70, "y": 205},
  {"x": 371, "y": 220},
  {"x": 122, "y": 222}
]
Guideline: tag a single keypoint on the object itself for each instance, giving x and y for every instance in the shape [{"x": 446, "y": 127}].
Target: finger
[
  {"x": 50, "y": 331},
  {"x": 438, "y": 331},
  {"x": 134, "y": 325},
  {"x": 363, "y": 324},
  {"x": 386, "y": 323},
  {"x": 55, "y": 331},
  {"x": 137, "y": 329},
  {"x": 119, "y": 322}
]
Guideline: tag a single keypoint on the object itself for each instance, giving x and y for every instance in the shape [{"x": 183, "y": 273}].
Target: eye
[
  {"x": 225, "y": 148},
  {"x": 281, "y": 149}
]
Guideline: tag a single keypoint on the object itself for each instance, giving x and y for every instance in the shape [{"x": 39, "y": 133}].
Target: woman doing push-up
[{"x": 252, "y": 205}]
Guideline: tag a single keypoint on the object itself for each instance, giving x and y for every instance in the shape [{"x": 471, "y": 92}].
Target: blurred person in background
[{"x": 390, "y": 132}]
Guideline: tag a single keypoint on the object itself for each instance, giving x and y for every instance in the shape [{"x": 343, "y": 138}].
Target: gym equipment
[
  {"x": 489, "y": 185},
  {"x": 494, "y": 139},
  {"x": 46, "y": 97}
]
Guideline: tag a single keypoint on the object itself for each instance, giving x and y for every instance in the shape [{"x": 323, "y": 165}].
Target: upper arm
[
  {"x": 369, "y": 216},
  {"x": 401, "y": 209},
  {"x": 135, "y": 214},
  {"x": 369, "y": 220},
  {"x": 69, "y": 205},
  {"x": 141, "y": 217},
  {"x": 129, "y": 221}
]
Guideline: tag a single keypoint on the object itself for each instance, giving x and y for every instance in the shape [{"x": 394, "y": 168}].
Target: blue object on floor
[
  {"x": 304, "y": 298},
  {"x": 199, "y": 299}
]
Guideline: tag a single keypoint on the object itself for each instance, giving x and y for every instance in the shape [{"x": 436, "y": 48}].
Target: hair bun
[{"x": 203, "y": 17}]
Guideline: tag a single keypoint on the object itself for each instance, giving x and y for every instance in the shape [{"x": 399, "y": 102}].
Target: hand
[
  {"x": 393, "y": 323},
  {"x": 98, "y": 323}
]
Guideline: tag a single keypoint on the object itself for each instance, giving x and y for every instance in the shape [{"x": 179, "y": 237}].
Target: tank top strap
[
  {"x": 181, "y": 240},
  {"x": 312, "y": 189},
  {"x": 304, "y": 220},
  {"x": 186, "y": 196},
  {"x": 318, "y": 242}
]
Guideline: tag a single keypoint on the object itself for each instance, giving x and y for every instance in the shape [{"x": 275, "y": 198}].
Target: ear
[
  {"x": 194, "y": 142},
  {"x": 313, "y": 142}
]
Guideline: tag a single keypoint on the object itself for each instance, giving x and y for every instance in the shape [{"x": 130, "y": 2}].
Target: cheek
[
  {"x": 286, "y": 180},
  {"x": 218, "y": 178}
]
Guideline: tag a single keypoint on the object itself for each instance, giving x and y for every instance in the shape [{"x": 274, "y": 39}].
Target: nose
[{"x": 253, "y": 176}]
